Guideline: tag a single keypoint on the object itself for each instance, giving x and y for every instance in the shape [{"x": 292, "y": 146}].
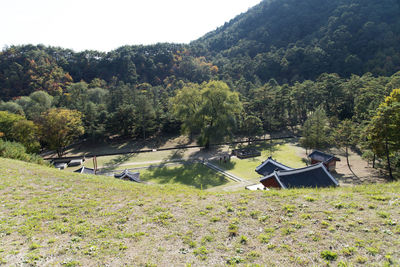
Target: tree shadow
[
  {"x": 347, "y": 179},
  {"x": 225, "y": 165},
  {"x": 205, "y": 154},
  {"x": 196, "y": 175},
  {"x": 115, "y": 162},
  {"x": 177, "y": 154}
]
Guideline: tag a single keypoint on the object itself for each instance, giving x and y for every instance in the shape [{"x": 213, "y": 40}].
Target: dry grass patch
[{"x": 50, "y": 217}]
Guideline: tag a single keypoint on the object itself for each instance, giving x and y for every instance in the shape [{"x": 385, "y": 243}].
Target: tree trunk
[
  {"x": 348, "y": 162},
  {"x": 388, "y": 159},
  {"x": 373, "y": 161},
  {"x": 59, "y": 153},
  {"x": 207, "y": 145}
]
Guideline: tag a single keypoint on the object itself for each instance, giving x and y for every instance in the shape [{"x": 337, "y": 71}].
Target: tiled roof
[
  {"x": 127, "y": 175},
  {"x": 321, "y": 156},
  {"x": 85, "y": 170},
  {"x": 311, "y": 176},
  {"x": 269, "y": 166}
]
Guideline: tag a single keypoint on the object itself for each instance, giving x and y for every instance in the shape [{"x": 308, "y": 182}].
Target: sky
[{"x": 108, "y": 24}]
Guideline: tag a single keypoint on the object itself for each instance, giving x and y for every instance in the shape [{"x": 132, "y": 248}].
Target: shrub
[
  {"x": 329, "y": 255},
  {"x": 14, "y": 150}
]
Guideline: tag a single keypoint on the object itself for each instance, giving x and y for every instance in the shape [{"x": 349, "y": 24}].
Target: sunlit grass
[
  {"x": 245, "y": 168},
  {"x": 52, "y": 217}
]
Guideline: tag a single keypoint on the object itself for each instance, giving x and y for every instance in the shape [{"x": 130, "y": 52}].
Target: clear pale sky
[{"x": 107, "y": 24}]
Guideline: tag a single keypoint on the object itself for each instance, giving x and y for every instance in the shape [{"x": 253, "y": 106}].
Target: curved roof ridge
[
  {"x": 274, "y": 162},
  {"x": 306, "y": 168}
]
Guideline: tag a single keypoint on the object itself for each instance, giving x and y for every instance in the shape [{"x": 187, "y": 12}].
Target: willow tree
[{"x": 210, "y": 109}]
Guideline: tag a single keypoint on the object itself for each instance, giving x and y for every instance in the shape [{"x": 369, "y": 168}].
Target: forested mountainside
[
  {"x": 287, "y": 40},
  {"x": 291, "y": 40},
  {"x": 270, "y": 68}
]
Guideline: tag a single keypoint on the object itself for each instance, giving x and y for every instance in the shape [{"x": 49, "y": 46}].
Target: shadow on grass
[
  {"x": 115, "y": 162},
  {"x": 196, "y": 175},
  {"x": 267, "y": 146},
  {"x": 177, "y": 154},
  {"x": 348, "y": 179},
  {"x": 228, "y": 165}
]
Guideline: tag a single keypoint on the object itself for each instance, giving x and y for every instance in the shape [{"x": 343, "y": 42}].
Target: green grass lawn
[
  {"x": 56, "y": 218},
  {"x": 245, "y": 168},
  {"x": 196, "y": 175}
]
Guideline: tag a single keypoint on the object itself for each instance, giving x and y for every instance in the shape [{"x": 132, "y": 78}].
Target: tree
[
  {"x": 123, "y": 120},
  {"x": 186, "y": 107},
  {"x": 315, "y": 130},
  {"x": 252, "y": 126},
  {"x": 345, "y": 135},
  {"x": 219, "y": 110},
  {"x": 16, "y": 128},
  {"x": 59, "y": 127},
  {"x": 35, "y": 104},
  {"x": 145, "y": 116},
  {"x": 12, "y": 107},
  {"x": 7, "y": 121},
  {"x": 213, "y": 111},
  {"x": 384, "y": 128},
  {"x": 26, "y": 133}
]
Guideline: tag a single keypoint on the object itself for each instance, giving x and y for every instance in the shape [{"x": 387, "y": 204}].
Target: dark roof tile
[
  {"x": 269, "y": 166},
  {"x": 322, "y": 157},
  {"x": 311, "y": 176}
]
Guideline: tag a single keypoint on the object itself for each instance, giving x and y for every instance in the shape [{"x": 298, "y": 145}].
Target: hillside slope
[
  {"x": 54, "y": 217},
  {"x": 295, "y": 40}
]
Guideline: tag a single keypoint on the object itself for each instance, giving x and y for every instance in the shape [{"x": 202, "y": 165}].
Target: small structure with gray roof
[
  {"x": 312, "y": 176},
  {"x": 128, "y": 176},
  {"x": 85, "y": 170},
  {"x": 269, "y": 166},
  {"x": 327, "y": 159}
]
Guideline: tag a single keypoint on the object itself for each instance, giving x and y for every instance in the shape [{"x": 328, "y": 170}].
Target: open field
[
  {"x": 196, "y": 175},
  {"x": 153, "y": 164},
  {"x": 284, "y": 152},
  {"x": 51, "y": 217}
]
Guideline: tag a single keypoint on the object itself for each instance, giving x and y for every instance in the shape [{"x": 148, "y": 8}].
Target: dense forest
[{"x": 283, "y": 64}]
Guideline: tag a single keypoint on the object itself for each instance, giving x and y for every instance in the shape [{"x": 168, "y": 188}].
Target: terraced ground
[{"x": 51, "y": 217}]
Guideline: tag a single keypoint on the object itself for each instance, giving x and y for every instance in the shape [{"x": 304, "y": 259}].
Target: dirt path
[{"x": 365, "y": 173}]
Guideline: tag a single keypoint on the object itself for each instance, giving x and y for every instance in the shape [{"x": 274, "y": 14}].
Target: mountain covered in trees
[
  {"x": 287, "y": 40},
  {"x": 284, "y": 63},
  {"x": 291, "y": 40}
]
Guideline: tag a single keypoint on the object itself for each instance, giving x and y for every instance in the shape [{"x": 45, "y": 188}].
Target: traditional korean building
[
  {"x": 312, "y": 176},
  {"x": 85, "y": 170},
  {"x": 269, "y": 166},
  {"x": 128, "y": 176},
  {"x": 327, "y": 159}
]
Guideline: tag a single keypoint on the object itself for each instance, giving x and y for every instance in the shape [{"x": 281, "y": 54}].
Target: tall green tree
[
  {"x": 59, "y": 127},
  {"x": 213, "y": 111},
  {"x": 384, "y": 129},
  {"x": 145, "y": 116},
  {"x": 251, "y": 126},
  {"x": 186, "y": 106},
  {"x": 219, "y": 112},
  {"x": 315, "y": 132}
]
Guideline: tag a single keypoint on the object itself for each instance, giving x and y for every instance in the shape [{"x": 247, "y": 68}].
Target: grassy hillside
[{"x": 58, "y": 218}]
